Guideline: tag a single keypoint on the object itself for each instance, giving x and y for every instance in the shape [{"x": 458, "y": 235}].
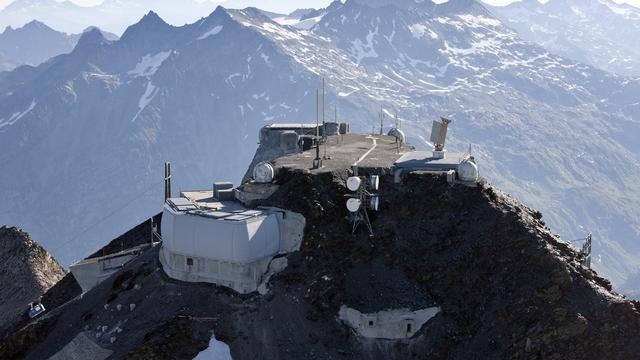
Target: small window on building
[
  {"x": 370, "y": 322},
  {"x": 408, "y": 328},
  {"x": 189, "y": 261}
]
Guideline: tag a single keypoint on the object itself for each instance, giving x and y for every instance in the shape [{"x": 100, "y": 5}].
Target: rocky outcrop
[{"x": 26, "y": 273}]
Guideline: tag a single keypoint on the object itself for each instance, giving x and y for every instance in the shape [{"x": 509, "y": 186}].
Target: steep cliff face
[
  {"x": 505, "y": 286},
  {"x": 27, "y": 271}
]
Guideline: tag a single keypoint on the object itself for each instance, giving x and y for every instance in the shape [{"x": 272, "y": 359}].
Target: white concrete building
[{"x": 204, "y": 240}]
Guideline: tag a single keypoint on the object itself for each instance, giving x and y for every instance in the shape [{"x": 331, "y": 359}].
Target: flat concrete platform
[
  {"x": 425, "y": 160},
  {"x": 343, "y": 151}
]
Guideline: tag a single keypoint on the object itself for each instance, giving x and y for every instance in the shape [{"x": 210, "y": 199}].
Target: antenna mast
[
  {"x": 317, "y": 162},
  {"x": 381, "y": 119},
  {"x": 167, "y": 180}
]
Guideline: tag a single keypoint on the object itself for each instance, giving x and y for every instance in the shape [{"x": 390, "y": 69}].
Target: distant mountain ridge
[
  {"x": 601, "y": 33},
  {"x": 111, "y": 15},
  {"x": 35, "y": 43}
]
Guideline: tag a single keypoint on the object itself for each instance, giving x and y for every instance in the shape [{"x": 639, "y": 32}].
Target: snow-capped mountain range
[
  {"x": 111, "y": 15},
  {"x": 596, "y": 32},
  {"x": 83, "y": 136},
  {"x": 35, "y": 43}
]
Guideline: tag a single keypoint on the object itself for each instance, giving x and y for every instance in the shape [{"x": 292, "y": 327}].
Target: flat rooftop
[
  {"x": 202, "y": 203},
  {"x": 343, "y": 151}
]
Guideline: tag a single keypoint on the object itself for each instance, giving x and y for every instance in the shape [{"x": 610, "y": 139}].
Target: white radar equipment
[
  {"x": 263, "y": 173},
  {"x": 353, "y": 183},
  {"x": 439, "y": 136},
  {"x": 353, "y": 204},
  {"x": 468, "y": 171},
  {"x": 362, "y": 200}
]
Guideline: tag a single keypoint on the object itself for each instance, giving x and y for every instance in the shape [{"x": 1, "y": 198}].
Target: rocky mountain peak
[
  {"x": 151, "y": 23},
  {"x": 90, "y": 38},
  {"x": 462, "y": 6},
  {"x": 151, "y": 18},
  {"x": 27, "y": 272},
  {"x": 35, "y": 24}
]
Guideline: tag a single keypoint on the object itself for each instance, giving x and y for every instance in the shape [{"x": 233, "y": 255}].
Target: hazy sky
[{"x": 290, "y": 5}]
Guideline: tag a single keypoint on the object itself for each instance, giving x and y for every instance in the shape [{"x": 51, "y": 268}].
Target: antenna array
[{"x": 363, "y": 199}]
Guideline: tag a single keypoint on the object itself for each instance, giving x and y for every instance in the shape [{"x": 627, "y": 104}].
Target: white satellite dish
[
  {"x": 353, "y": 183},
  {"x": 263, "y": 173},
  {"x": 374, "y": 203},
  {"x": 353, "y": 204},
  {"x": 374, "y": 182}
]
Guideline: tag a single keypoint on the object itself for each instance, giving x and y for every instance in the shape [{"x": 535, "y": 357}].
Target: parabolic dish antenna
[
  {"x": 263, "y": 173},
  {"x": 353, "y": 204},
  {"x": 353, "y": 183}
]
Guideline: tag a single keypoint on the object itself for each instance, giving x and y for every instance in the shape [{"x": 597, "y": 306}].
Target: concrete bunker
[
  {"x": 222, "y": 242},
  {"x": 387, "y": 324}
]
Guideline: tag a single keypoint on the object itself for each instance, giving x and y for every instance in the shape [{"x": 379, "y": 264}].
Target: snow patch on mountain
[
  {"x": 215, "y": 31},
  {"x": 149, "y": 93},
  {"x": 476, "y": 21},
  {"x": 419, "y": 31},
  {"x": 17, "y": 115},
  {"x": 149, "y": 64},
  {"x": 217, "y": 350},
  {"x": 361, "y": 50}
]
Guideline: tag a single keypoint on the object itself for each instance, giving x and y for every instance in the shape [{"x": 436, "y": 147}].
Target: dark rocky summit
[
  {"x": 27, "y": 271},
  {"x": 506, "y": 286}
]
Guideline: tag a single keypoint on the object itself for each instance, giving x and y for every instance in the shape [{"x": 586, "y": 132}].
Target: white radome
[
  {"x": 353, "y": 204},
  {"x": 468, "y": 171},
  {"x": 353, "y": 183},
  {"x": 263, "y": 173}
]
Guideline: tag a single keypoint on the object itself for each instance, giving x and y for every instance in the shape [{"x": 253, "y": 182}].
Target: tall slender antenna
[
  {"x": 317, "y": 162},
  {"x": 324, "y": 126},
  {"x": 335, "y": 118},
  {"x": 381, "y": 119},
  {"x": 167, "y": 180}
]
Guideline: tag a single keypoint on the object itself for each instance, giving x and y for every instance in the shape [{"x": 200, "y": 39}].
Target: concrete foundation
[
  {"x": 241, "y": 277},
  {"x": 388, "y": 324}
]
